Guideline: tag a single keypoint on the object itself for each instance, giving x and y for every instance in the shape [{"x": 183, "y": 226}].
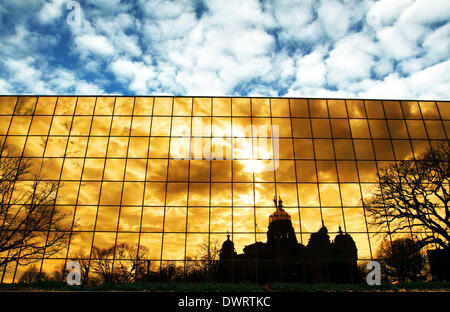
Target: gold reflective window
[
  {"x": 182, "y": 106},
  {"x": 261, "y": 127},
  {"x": 143, "y": 106},
  {"x": 416, "y": 129},
  {"x": 80, "y": 126},
  {"x": 343, "y": 149},
  {"x": 347, "y": 171},
  {"x": 65, "y": 105},
  {"x": 383, "y": 150},
  {"x": 104, "y": 106},
  {"x": 161, "y": 126},
  {"x": 40, "y": 125},
  {"x": 133, "y": 170},
  {"x": 402, "y": 149},
  {"x": 241, "y": 172},
  {"x": 114, "y": 169},
  {"x": 374, "y": 109},
  {"x": 97, "y": 147},
  {"x": 198, "y": 194},
  {"x": 393, "y": 109},
  {"x": 326, "y": 171},
  {"x": 181, "y": 126},
  {"x": 299, "y": 108},
  {"x": 72, "y": 169},
  {"x": 367, "y": 171},
  {"x": 318, "y": 108},
  {"x": 337, "y": 108},
  {"x": 411, "y": 110},
  {"x": 178, "y": 170},
  {"x": 378, "y": 129},
  {"x": 306, "y": 171},
  {"x": 159, "y": 148},
  {"x": 429, "y": 110},
  {"x": 280, "y": 108},
  {"x": 120, "y": 126},
  {"x": 303, "y": 149},
  {"x": 61, "y": 125},
  {"x": 20, "y": 125},
  {"x": 93, "y": 169},
  {"x": 285, "y": 171},
  {"x": 283, "y": 125},
  {"x": 241, "y": 107},
  {"x": 221, "y": 170},
  {"x": 321, "y": 128},
  {"x": 340, "y": 128},
  {"x": 301, "y": 128},
  {"x": 101, "y": 125},
  {"x": 419, "y": 147},
  {"x": 221, "y": 194},
  {"x": 7, "y": 104},
  {"x": 85, "y": 106},
  {"x": 356, "y": 109},
  {"x": 323, "y": 149},
  {"x": 397, "y": 129},
  {"x": 359, "y": 128},
  {"x": 260, "y": 107},
  {"x": 177, "y": 194},
  {"x": 285, "y": 149},
  {"x": 124, "y": 106},
  {"x": 435, "y": 129},
  {"x": 56, "y": 147},
  {"x": 4, "y": 124},
  {"x": 221, "y": 106},
  {"x": 163, "y": 106},
  {"x": 329, "y": 194},
  {"x": 117, "y": 147},
  {"x": 45, "y": 105},
  {"x": 25, "y": 105},
  {"x": 133, "y": 193},
  {"x": 363, "y": 149},
  {"x": 444, "y": 109},
  {"x": 141, "y": 126},
  {"x": 202, "y": 107},
  {"x": 34, "y": 146},
  {"x": 138, "y": 147}
]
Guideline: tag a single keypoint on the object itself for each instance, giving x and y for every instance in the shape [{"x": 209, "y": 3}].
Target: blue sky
[{"x": 398, "y": 49}]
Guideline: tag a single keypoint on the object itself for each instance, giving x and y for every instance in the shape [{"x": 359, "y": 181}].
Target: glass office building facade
[{"x": 174, "y": 173}]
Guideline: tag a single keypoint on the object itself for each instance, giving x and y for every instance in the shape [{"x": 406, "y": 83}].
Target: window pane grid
[{"x": 148, "y": 170}]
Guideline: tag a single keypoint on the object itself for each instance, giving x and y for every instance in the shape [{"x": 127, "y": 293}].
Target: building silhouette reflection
[{"x": 282, "y": 258}]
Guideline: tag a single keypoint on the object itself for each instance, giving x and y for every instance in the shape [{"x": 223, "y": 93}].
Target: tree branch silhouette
[{"x": 414, "y": 194}]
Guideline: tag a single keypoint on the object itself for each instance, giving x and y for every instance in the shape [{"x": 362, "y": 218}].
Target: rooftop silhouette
[{"x": 282, "y": 258}]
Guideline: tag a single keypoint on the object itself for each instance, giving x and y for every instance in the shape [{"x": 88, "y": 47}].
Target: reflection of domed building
[{"x": 282, "y": 258}]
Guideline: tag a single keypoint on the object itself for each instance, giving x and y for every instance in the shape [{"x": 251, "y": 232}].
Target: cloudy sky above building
[{"x": 349, "y": 48}]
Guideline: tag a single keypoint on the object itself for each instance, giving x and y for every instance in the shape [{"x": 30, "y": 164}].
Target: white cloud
[
  {"x": 395, "y": 44},
  {"x": 420, "y": 85},
  {"x": 87, "y": 88},
  {"x": 385, "y": 12},
  {"x": 25, "y": 75},
  {"x": 51, "y": 11},
  {"x": 437, "y": 44},
  {"x": 137, "y": 74},
  {"x": 426, "y": 12},
  {"x": 351, "y": 60},
  {"x": 96, "y": 44},
  {"x": 5, "y": 87},
  {"x": 311, "y": 69},
  {"x": 335, "y": 18},
  {"x": 310, "y": 48}
]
